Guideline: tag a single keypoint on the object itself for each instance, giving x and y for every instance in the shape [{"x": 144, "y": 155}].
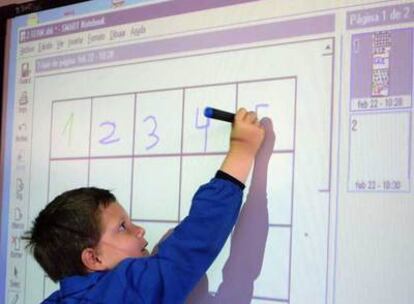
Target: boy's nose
[{"x": 140, "y": 231}]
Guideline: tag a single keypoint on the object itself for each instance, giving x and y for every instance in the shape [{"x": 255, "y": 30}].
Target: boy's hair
[{"x": 65, "y": 227}]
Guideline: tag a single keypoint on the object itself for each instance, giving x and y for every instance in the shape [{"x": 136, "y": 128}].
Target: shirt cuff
[{"x": 223, "y": 175}]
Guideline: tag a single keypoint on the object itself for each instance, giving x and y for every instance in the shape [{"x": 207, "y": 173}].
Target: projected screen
[{"x": 111, "y": 94}]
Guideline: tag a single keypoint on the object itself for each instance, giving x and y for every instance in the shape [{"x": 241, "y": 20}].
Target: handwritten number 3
[{"x": 152, "y": 133}]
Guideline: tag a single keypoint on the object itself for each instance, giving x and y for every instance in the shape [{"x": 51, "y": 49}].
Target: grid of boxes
[{"x": 153, "y": 149}]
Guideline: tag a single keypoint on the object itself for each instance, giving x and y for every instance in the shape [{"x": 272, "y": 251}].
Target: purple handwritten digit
[
  {"x": 110, "y": 137},
  {"x": 152, "y": 133},
  {"x": 202, "y": 127}
]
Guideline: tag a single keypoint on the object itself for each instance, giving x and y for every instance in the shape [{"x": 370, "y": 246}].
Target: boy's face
[{"x": 120, "y": 238}]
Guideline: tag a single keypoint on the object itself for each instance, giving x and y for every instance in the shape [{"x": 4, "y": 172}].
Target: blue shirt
[{"x": 183, "y": 258}]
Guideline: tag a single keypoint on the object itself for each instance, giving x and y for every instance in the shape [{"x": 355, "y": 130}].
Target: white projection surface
[{"x": 111, "y": 94}]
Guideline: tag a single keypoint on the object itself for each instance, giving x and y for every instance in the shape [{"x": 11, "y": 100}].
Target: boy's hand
[
  {"x": 245, "y": 140},
  {"x": 247, "y": 134}
]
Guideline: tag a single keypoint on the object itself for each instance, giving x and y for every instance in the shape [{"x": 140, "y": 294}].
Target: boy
[{"x": 86, "y": 241}]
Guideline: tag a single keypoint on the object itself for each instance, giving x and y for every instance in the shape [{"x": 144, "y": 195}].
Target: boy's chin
[{"x": 144, "y": 253}]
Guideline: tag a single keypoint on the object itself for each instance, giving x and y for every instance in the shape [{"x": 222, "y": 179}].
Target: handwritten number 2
[
  {"x": 109, "y": 138},
  {"x": 152, "y": 134}
]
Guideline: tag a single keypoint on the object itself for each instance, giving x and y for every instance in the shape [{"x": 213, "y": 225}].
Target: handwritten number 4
[{"x": 204, "y": 127}]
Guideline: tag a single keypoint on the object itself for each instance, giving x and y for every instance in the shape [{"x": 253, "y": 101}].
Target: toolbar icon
[
  {"x": 19, "y": 188},
  {"x": 25, "y": 70},
  {"x": 23, "y": 99},
  {"x": 22, "y": 127},
  {"x": 21, "y": 156},
  {"x": 21, "y": 161},
  {"x": 18, "y": 214},
  {"x": 15, "y": 272},
  {"x": 32, "y": 19},
  {"x": 13, "y": 297},
  {"x": 16, "y": 243}
]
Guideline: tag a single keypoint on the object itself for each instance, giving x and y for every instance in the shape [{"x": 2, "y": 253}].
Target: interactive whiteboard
[{"x": 111, "y": 94}]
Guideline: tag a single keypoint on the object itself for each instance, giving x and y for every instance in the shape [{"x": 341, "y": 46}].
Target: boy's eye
[{"x": 122, "y": 227}]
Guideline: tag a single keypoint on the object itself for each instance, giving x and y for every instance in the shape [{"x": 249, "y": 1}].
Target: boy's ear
[{"x": 91, "y": 260}]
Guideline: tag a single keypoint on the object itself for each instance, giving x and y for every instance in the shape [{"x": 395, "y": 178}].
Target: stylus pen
[{"x": 219, "y": 114}]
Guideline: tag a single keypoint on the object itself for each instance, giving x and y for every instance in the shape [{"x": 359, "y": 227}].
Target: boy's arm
[
  {"x": 185, "y": 255},
  {"x": 245, "y": 140}
]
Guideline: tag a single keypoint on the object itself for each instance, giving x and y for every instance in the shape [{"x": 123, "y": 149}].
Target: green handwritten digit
[{"x": 68, "y": 128}]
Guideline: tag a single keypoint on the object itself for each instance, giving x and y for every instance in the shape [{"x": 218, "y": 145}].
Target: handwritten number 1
[{"x": 68, "y": 128}]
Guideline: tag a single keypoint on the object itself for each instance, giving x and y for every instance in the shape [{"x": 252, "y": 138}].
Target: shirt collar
[{"x": 75, "y": 284}]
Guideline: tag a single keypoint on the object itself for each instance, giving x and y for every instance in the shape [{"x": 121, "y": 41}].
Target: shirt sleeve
[{"x": 191, "y": 248}]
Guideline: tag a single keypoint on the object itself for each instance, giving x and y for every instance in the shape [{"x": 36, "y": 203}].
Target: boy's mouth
[{"x": 144, "y": 249}]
